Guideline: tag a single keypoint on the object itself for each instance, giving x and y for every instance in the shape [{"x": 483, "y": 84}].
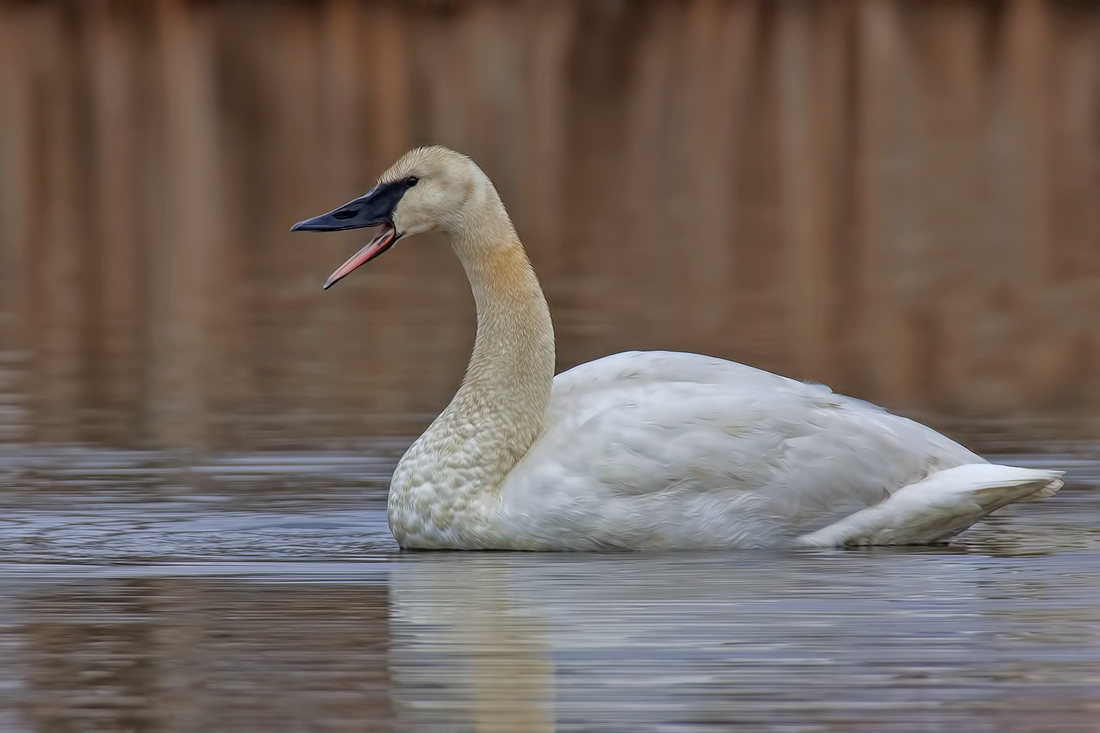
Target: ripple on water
[{"x": 263, "y": 592}]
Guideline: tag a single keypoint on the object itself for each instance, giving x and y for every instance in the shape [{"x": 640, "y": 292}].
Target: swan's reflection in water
[
  {"x": 841, "y": 641},
  {"x": 464, "y": 649}
]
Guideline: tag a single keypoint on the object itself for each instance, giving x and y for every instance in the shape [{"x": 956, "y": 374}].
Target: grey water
[{"x": 143, "y": 591}]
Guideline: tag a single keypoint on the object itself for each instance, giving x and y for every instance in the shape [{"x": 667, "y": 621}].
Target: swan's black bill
[{"x": 375, "y": 208}]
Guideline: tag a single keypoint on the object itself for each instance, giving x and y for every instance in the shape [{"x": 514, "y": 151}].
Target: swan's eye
[{"x": 411, "y": 181}]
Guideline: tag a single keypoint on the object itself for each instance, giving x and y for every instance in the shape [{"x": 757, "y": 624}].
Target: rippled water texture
[{"x": 262, "y": 592}]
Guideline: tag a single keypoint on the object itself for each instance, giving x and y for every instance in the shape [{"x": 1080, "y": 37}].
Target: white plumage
[
  {"x": 646, "y": 450},
  {"x": 671, "y": 450}
]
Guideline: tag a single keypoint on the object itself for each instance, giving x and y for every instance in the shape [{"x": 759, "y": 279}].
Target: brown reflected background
[
  {"x": 179, "y": 654},
  {"x": 898, "y": 199}
]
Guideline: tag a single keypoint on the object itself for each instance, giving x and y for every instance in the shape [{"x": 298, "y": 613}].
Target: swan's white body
[
  {"x": 661, "y": 450},
  {"x": 674, "y": 450},
  {"x": 651, "y": 450}
]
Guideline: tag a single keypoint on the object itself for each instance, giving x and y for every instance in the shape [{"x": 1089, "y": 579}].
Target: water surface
[{"x": 263, "y": 592}]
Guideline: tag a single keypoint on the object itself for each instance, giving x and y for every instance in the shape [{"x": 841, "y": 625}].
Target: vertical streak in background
[
  {"x": 1075, "y": 223},
  {"x": 716, "y": 66},
  {"x": 954, "y": 302},
  {"x": 815, "y": 88},
  {"x": 299, "y": 184},
  {"x": 116, "y": 270},
  {"x": 596, "y": 228},
  {"x": 761, "y": 249},
  {"x": 387, "y": 65},
  {"x": 185, "y": 269},
  {"x": 741, "y": 48},
  {"x": 16, "y": 201},
  {"x": 1075, "y": 131},
  {"x": 885, "y": 354},
  {"x": 551, "y": 28},
  {"x": 341, "y": 95},
  {"x": 341, "y": 168},
  {"x": 647, "y": 238},
  {"x": 57, "y": 285},
  {"x": 802, "y": 192},
  {"x": 1026, "y": 44}
]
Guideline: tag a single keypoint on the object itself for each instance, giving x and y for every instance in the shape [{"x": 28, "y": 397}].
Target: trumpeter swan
[{"x": 641, "y": 450}]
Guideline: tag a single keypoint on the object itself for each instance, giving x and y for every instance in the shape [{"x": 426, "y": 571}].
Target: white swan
[{"x": 641, "y": 450}]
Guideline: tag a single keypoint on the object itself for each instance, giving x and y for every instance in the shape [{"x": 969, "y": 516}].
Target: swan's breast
[{"x": 436, "y": 500}]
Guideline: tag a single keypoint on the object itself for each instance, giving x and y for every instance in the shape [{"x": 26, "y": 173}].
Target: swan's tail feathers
[{"x": 938, "y": 507}]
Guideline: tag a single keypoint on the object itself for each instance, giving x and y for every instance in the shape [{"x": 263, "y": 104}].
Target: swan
[{"x": 641, "y": 450}]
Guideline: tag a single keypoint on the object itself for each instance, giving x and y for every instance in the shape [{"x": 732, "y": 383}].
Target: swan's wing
[{"x": 661, "y": 428}]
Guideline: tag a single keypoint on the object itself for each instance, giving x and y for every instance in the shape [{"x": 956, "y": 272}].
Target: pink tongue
[{"x": 364, "y": 255}]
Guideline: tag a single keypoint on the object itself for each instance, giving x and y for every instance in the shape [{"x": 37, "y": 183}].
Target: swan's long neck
[
  {"x": 507, "y": 385},
  {"x": 499, "y": 410}
]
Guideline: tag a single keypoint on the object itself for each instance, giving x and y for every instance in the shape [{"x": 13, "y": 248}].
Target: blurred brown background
[{"x": 900, "y": 199}]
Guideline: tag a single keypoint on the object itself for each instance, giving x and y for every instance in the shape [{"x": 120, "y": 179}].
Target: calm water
[{"x": 263, "y": 592}]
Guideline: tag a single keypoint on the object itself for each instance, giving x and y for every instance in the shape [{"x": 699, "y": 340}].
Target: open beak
[
  {"x": 381, "y": 242},
  {"x": 373, "y": 209}
]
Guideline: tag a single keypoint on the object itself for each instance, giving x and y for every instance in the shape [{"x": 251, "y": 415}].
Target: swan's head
[{"x": 428, "y": 188}]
